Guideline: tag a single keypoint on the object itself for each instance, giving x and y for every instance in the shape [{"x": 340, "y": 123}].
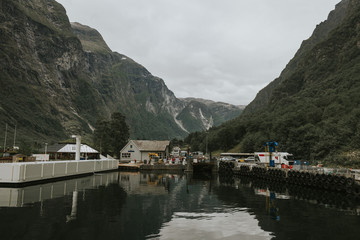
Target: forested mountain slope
[
  {"x": 313, "y": 108},
  {"x": 58, "y": 78}
]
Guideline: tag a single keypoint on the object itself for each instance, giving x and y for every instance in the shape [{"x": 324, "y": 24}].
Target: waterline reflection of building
[
  {"x": 322, "y": 198},
  {"x": 147, "y": 183},
  {"x": 20, "y": 197}
]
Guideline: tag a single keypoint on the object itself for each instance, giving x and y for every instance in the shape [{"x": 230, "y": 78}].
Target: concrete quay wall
[
  {"x": 18, "y": 173},
  {"x": 177, "y": 167},
  {"x": 319, "y": 179}
]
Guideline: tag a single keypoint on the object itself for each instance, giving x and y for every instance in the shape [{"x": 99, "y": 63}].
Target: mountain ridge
[
  {"x": 320, "y": 32},
  {"x": 59, "y": 78},
  {"x": 312, "y": 109}
]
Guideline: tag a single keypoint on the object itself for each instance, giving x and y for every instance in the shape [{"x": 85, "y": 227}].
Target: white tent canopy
[{"x": 71, "y": 148}]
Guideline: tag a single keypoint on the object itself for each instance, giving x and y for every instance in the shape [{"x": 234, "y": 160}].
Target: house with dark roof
[
  {"x": 66, "y": 151},
  {"x": 138, "y": 150}
]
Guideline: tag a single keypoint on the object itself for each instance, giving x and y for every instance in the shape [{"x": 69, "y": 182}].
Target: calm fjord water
[{"x": 122, "y": 205}]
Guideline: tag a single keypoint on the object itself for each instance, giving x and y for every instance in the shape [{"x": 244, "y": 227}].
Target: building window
[
  {"x": 130, "y": 146},
  {"x": 125, "y": 155}
]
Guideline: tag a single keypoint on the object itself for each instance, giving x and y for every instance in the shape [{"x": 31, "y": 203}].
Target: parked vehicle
[
  {"x": 250, "y": 159},
  {"x": 239, "y": 157},
  {"x": 227, "y": 158},
  {"x": 154, "y": 158},
  {"x": 282, "y": 159}
]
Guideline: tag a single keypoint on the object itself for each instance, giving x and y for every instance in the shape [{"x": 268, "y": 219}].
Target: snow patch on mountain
[{"x": 206, "y": 123}]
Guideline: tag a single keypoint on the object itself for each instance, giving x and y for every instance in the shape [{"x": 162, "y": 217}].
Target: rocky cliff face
[
  {"x": 41, "y": 63},
  {"x": 58, "y": 78},
  {"x": 208, "y": 112},
  {"x": 320, "y": 33}
]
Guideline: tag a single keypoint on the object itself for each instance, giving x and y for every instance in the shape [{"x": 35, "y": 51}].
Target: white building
[
  {"x": 66, "y": 151},
  {"x": 139, "y": 150}
]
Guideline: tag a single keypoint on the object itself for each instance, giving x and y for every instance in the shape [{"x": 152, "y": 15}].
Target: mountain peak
[
  {"x": 90, "y": 38},
  {"x": 59, "y": 78},
  {"x": 211, "y": 102}
]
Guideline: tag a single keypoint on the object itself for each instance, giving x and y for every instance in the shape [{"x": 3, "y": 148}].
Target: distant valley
[{"x": 58, "y": 78}]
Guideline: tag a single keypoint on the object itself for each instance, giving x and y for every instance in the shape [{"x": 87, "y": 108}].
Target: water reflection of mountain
[
  {"x": 171, "y": 206},
  {"x": 293, "y": 213},
  {"x": 161, "y": 206}
]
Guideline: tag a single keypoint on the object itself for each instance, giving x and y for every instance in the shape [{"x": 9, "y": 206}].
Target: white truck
[{"x": 282, "y": 159}]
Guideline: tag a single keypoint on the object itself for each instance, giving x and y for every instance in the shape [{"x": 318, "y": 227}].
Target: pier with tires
[{"x": 315, "y": 179}]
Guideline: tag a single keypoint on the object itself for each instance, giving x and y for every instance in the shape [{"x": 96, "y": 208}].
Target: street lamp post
[
  {"x": 46, "y": 148},
  {"x": 78, "y": 145},
  {"x": 45, "y": 151}
]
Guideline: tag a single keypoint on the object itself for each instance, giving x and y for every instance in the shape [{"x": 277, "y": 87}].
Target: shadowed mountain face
[
  {"x": 58, "y": 78},
  {"x": 320, "y": 33},
  {"x": 313, "y": 108}
]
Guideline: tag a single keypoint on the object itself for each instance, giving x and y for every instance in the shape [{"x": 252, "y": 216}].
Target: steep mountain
[
  {"x": 209, "y": 112},
  {"x": 58, "y": 78},
  {"x": 313, "y": 108},
  {"x": 320, "y": 33}
]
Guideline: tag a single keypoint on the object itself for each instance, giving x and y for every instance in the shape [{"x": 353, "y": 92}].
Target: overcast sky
[{"x": 223, "y": 50}]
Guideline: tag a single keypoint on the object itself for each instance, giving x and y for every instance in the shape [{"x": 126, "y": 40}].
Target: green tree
[
  {"x": 101, "y": 137},
  {"x": 248, "y": 144},
  {"x": 119, "y": 132},
  {"x": 176, "y": 143},
  {"x": 25, "y": 148},
  {"x": 111, "y": 136}
]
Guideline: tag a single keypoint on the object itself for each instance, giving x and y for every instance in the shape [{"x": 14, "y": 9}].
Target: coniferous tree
[
  {"x": 119, "y": 132},
  {"x": 111, "y": 136},
  {"x": 102, "y": 136}
]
